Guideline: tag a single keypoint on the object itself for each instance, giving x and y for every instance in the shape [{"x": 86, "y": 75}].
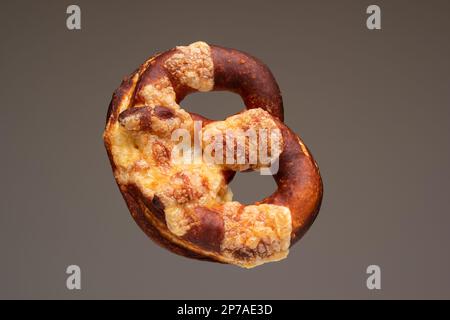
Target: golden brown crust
[
  {"x": 152, "y": 94},
  {"x": 140, "y": 213},
  {"x": 299, "y": 183},
  {"x": 247, "y": 76},
  {"x": 209, "y": 232}
]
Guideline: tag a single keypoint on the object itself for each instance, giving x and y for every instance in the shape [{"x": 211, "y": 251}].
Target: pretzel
[{"x": 187, "y": 207}]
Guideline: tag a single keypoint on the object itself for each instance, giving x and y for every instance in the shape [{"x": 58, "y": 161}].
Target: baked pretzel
[{"x": 187, "y": 207}]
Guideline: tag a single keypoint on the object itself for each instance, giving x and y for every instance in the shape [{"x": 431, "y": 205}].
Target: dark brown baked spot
[
  {"x": 210, "y": 230},
  {"x": 243, "y": 254},
  {"x": 157, "y": 207},
  {"x": 144, "y": 115},
  {"x": 163, "y": 113}
]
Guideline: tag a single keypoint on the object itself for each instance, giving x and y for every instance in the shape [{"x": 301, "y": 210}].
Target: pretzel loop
[{"x": 186, "y": 206}]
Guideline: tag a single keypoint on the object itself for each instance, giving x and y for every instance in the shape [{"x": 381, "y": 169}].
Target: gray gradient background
[{"x": 373, "y": 106}]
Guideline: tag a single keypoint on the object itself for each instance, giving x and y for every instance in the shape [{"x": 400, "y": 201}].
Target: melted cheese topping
[
  {"x": 256, "y": 234},
  {"x": 253, "y": 234},
  {"x": 159, "y": 93},
  {"x": 193, "y": 66},
  {"x": 252, "y": 139}
]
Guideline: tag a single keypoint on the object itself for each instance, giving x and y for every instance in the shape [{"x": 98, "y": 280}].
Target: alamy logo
[
  {"x": 374, "y": 20},
  {"x": 73, "y": 281},
  {"x": 374, "y": 280},
  {"x": 73, "y": 21},
  {"x": 233, "y": 148}
]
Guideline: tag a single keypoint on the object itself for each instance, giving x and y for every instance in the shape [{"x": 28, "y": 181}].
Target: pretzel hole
[
  {"x": 213, "y": 105},
  {"x": 250, "y": 187}
]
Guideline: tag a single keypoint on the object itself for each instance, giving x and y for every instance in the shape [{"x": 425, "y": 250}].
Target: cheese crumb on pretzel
[
  {"x": 159, "y": 93},
  {"x": 256, "y": 234},
  {"x": 193, "y": 66}
]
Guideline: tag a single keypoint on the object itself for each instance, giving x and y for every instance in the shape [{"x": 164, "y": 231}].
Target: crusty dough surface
[{"x": 254, "y": 234}]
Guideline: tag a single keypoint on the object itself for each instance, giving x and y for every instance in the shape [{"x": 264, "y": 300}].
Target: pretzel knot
[{"x": 173, "y": 167}]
